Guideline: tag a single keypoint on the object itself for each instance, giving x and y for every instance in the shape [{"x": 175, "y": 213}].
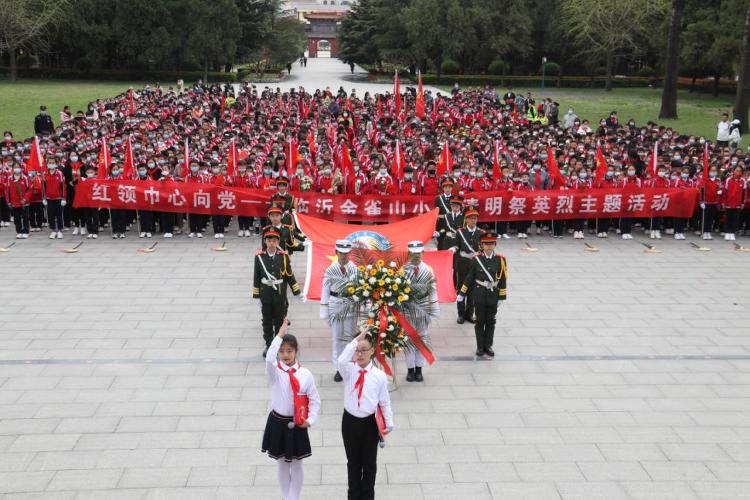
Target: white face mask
[{"x": 17, "y": 170}]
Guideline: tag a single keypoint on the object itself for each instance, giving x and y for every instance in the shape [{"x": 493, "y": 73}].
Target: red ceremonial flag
[
  {"x": 131, "y": 102},
  {"x": 419, "y": 105},
  {"x": 705, "y": 162},
  {"x": 128, "y": 167},
  {"x": 345, "y": 161},
  {"x": 553, "y": 169},
  {"x": 232, "y": 159},
  {"x": 104, "y": 160},
  {"x": 36, "y": 161},
  {"x": 399, "y": 163},
  {"x": 311, "y": 144},
  {"x": 653, "y": 160},
  {"x": 601, "y": 165},
  {"x": 496, "y": 173},
  {"x": 445, "y": 164},
  {"x": 435, "y": 108},
  {"x": 397, "y": 93},
  {"x": 293, "y": 150},
  {"x": 186, "y": 159}
]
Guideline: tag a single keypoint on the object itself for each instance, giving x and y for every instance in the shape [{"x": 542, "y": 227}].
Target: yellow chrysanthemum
[
  {"x": 361, "y": 269},
  {"x": 381, "y": 282},
  {"x": 390, "y": 272},
  {"x": 373, "y": 272},
  {"x": 407, "y": 290},
  {"x": 350, "y": 289},
  {"x": 380, "y": 263},
  {"x": 394, "y": 287}
]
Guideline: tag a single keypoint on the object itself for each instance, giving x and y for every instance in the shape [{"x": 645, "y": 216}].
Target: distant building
[{"x": 321, "y": 20}]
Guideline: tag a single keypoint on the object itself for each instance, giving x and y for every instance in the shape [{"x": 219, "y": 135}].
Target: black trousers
[
  {"x": 196, "y": 223},
  {"x": 361, "y": 446},
  {"x": 558, "y": 227},
  {"x": 626, "y": 224},
  {"x": 55, "y": 214},
  {"x": 679, "y": 224},
  {"x": 578, "y": 224},
  {"x": 273, "y": 315},
  {"x": 462, "y": 267},
  {"x": 146, "y": 218},
  {"x": 244, "y": 223},
  {"x": 36, "y": 215},
  {"x": 21, "y": 219},
  {"x": 709, "y": 218},
  {"x": 218, "y": 223},
  {"x": 484, "y": 328},
  {"x": 501, "y": 227},
  {"x": 119, "y": 221},
  {"x": 167, "y": 222},
  {"x": 733, "y": 220},
  {"x": 523, "y": 226},
  {"x": 4, "y": 210},
  {"x": 91, "y": 219}
]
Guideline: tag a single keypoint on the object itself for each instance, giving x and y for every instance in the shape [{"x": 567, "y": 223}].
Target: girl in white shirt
[
  {"x": 282, "y": 440},
  {"x": 365, "y": 388}
]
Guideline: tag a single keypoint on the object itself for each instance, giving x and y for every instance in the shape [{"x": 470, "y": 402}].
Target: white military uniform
[
  {"x": 333, "y": 307},
  {"x": 414, "y": 358}
]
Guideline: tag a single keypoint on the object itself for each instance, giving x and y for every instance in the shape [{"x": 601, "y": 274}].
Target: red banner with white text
[{"x": 171, "y": 196}]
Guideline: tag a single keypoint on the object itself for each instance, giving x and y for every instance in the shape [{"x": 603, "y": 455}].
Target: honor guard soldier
[
  {"x": 442, "y": 202},
  {"x": 272, "y": 274},
  {"x": 289, "y": 202},
  {"x": 449, "y": 223},
  {"x": 486, "y": 283},
  {"x": 416, "y": 269},
  {"x": 287, "y": 218},
  {"x": 467, "y": 246},
  {"x": 334, "y": 306},
  {"x": 288, "y": 243}
]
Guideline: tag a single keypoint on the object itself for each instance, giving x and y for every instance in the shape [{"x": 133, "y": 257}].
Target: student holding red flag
[
  {"x": 295, "y": 404},
  {"x": 365, "y": 392}
]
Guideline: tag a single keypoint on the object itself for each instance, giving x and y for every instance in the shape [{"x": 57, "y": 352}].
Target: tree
[
  {"x": 356, "y": 33},
  {"x": 256, "y": 22},
  {"x": 213, "y": 28},
  {"x": 25, "y": 25},
  {"x": 287, "y": 40},
  {"x": 602, "y": 29},
  {"x": 672, "y": 66},
  {"x": 742, "y": 97}
]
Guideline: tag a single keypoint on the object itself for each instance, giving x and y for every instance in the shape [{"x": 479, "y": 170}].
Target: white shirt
[
  {"x": 722, "y": 133},
  {"x": 374, "y": 391},
  {"x": 282, "y": 399},
  {"x": 330, "y": 275}
]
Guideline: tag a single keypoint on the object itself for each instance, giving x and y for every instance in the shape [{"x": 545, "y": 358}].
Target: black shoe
[
  {"x": 460, "y": 320},
  {"x": 338, "y": 377},
  {"x": 471, "y": 319},
  {"x": 418, "y": 374},
  {"x": 410, "y": 376},
  {"x": 265, "y": 351},
  {"x": 489, "y": 352},
  {"x": 479, "y": 353}
]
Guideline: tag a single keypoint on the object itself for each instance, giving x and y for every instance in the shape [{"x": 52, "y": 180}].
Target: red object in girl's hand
[{"x": 301, "y": 407}]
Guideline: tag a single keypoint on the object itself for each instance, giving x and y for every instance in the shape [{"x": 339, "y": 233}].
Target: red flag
[
  {"x": 399, "y": 163},
  {"x": 496, "y": 173},
  {"x": 445, "y": 164},
  {"x": 379, "y": 106},
  {"x": 419, "y": 105},
  {"x": 397, "y": 93},
  {"x": 36, "y": 161},
  {"x": 653, "y": 160},
  {"x": 232, "y": 159},
  {"x": 223, "y": 105},
  {"x": 311, "y": 144},
  {"x": 186, "y": 159},
  {"x": 435, "y": 110},
  {"x": 128, "y": 167},
  {"x": 705, "y": 162},
  {"x": 345, "y": 160},
  {"x": 553, "y": 169},
  {"x": 104, "y": 160},
  {"x": 293, "y": 150},
  {"x": 601, "y": 166},
  {"x": 131, "y": 102}
]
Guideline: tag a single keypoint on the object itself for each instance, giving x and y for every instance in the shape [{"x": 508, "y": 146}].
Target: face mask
[
  {"x": 194, "y": 169},
  {"x": 17, "y": 158},
  {"x": 465, "y": 171},
  {"x": 267, "y": 171},
  {"x": 631, "y": 124},
  {"x": 382, "y": 172},
  {"x": 327, "y": 171},
  {"x": 702, "y": 141},
  {"x": 673, "y": 177},
  {"x": 32, "y": 174},
  {"x": 142, "y": 173},
  {"x": 74, "y": 158},
  {"x": 564, "y": 172},
  {"x": 537, "y": 167},
  {"x": 407, "y": 177},
  {"x": 712, "y": 175},
  {"x": 17, "y": 170},
  {"x": 610, "y": 175},
  {"x": 216, "y": 171},
  {"x": 456, "y": 174},
  {"x": 8, "y": 138},
  {"x": 52, "y": 166},
  {"x": 116, "y": 172},
  {"x": 164, "y": 173},
  {"x": 734, "y": 162},
  {"x": 583, "y": 175},
  {"x": 90, "y": 175},
  {"x": 300, "y": 172},
  {"x": 356, "y": 168},
  {"x": 631, "y": 173},
  {"x": 478, "y": 175},
  {"x": 151, "y": 165},
  {"x": 684, "y": 176},
  {"x": 677, "y": 157},
  {"x": 662, "y": 174}
]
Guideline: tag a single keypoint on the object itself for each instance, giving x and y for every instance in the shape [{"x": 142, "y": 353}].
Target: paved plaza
[{"x": 620, "y": 374}]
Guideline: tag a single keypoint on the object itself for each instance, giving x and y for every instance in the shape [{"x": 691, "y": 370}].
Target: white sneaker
[
  {"x": 681, "y": 236},
  {"x": 217, "y": 236},
  {"x": 95, "y": 236},
  {"x": 83, "y": 231},
  {"x": 240, "y": 234},
  {"x": 605, "y": 235},
  {"x": 731, "y": 237},
  {"x": 625, "y": 236},
  {"x": 52, "y": 235},
  {"x": 59, "y": 235},
  {"x": 19, "y": 236},
  {"x": 142, "y": 235},
  {"x": 191, "y": 235},
  {"x": 200, "y": 235},
  {"x": 115, "y": 236},
  {"x": 75, "y": 231},
  {"x": 709, "y": 237},
  {"x": 122, "y": 236},
  {"x": 26, "y": 236},
  {"x": 148, "y": 235},
  {"x": 519, "y": 236},
  {"x": 727, "y": 237},
  {"x": 89, "y": 236},
  {"x": 658, "y": 234},
  {"x": 167, "y": 235},
  {"x": 652, "y": 235},
  {"x": 618, "y": 231},
  {"x": 539, "y": 230}
]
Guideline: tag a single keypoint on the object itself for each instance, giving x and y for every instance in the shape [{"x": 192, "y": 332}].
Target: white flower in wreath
[
  {"x": 398, "y": 281},
  {"x": 370, "y": 314},
  {"x": 382, "y": 335},
  {"x": 366, "y": 293},
  {"x": 372, "y": 280},
  {"x": 388, "y": 294},
  {"x": 392, "y": 264},
  {"x": 355, "y": 298},
  {"x": 361, "y": 282},
  {"x": 390, "y": 304},
  {"x": 388, "y": 280},
  {"x": 369, "y": 266},
  {"x": 390, "y": 328}
]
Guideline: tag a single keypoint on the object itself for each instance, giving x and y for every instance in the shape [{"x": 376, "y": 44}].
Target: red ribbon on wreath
[
  {"x": 383, "y": 322},
  {"x": 414, "y": 336}
]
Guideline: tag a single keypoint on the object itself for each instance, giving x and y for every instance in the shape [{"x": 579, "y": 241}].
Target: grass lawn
[
  {"x": 698, "y": 112},
  {"x": 20, "y": 101}
]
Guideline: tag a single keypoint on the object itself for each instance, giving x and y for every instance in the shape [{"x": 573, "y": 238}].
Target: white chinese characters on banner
[
  {"x": 636, "y": 202},
  {"x": 151, "y": 195},
  {"x": 100, "y": 192},
  {"x": 660, "y": 202},
  {"x": 541, "y": 205},
  {"x": 494, "y": 205},
  {"x": 227, "y": 200},
  {"x": 126, "y": 194},
  {"x": 517, "y": 206},
  {"x": 202, "y": 199},
  {"x": 348, "y": 207},
  {"x": 324, "y": 206},
  {"x": 176, "y": 199},
  {"x": 612, "y": 203}
]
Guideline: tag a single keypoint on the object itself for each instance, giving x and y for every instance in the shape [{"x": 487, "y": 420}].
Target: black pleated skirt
[{"x": 281, "y": 442}]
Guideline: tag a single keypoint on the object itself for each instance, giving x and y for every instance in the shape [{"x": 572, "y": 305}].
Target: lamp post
[{"x": 544, "y": 61}]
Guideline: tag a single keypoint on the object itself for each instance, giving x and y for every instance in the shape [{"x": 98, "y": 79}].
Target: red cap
[
  {"x": 488, "y": 238},
  {"x": 271, "y": 233},
  {"x": 282, "y": 180},
  {"x": 457, "y": 199},
  {"x": 275, "y": 210},
  {"x": 447, "y": 182},
  {"x": 471, "y": 213}
]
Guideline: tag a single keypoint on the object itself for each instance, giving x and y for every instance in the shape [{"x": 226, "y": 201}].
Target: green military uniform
[
  {"x": 285, "y": 201},
  {"x": 287, "y": 242},
  {"x": 443, "y": 204},
  {"x": 486, "y": 291},
  {"x": 447, "y": 226},
  {"x": 467, "y": 242},
  {"x": 271, "y": 287}
]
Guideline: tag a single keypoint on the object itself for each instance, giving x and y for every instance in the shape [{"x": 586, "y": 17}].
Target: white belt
[
  {"x": 489, "y": 285},
  {"x": 467, "y": 255},
  {"x": 268, "y": 282}
]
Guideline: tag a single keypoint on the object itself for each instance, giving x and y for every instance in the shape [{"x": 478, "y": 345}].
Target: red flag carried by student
[
  {"x": 496, "y": 173},
  {"x": 128, "y": 167},
  {"x": 397, "y": 93},
  {"x": 601, "y": 165},
  {"x": 186, "y": 160},
  {"x": 293, "y": 154},
  {"x": 232, "y": 159},
  {"x": 653, "y": 160},
  {"x": 553, "y": 169},
  {"x": 345, "y": 160},
  {"x": 445, "y": 163},
  {"x": 36, "y": 161},
  {"x": 705, "y": 162},
  {"x": 419, "y": 105},
  {"x": 104, "y": 160},
  {"x": 399, "y": 163},
  {"x": 311, "y": 144},
  {"x": 131, "y": 102}
]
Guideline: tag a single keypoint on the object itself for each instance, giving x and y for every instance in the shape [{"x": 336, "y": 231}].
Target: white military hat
[
  {"x": 343, "y": 246},
  {"x": 415, "y": 246}
]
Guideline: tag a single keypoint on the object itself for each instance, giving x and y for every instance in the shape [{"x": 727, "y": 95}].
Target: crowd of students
[{"x": 348, "y": 143}]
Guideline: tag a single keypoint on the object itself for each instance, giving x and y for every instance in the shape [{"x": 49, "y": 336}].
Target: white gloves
[
  {"x": 63, "y": 203},
  {"x": 323, "y": 311},
  {"x": 703, "y": 205},
  {"x": 44, "y": 202},
  {"x": 306, "y": 243},
  {"x": 453, "y": 249},
  {"x": 435, "y": 234},
  {"x": 460, "y": 298}
]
